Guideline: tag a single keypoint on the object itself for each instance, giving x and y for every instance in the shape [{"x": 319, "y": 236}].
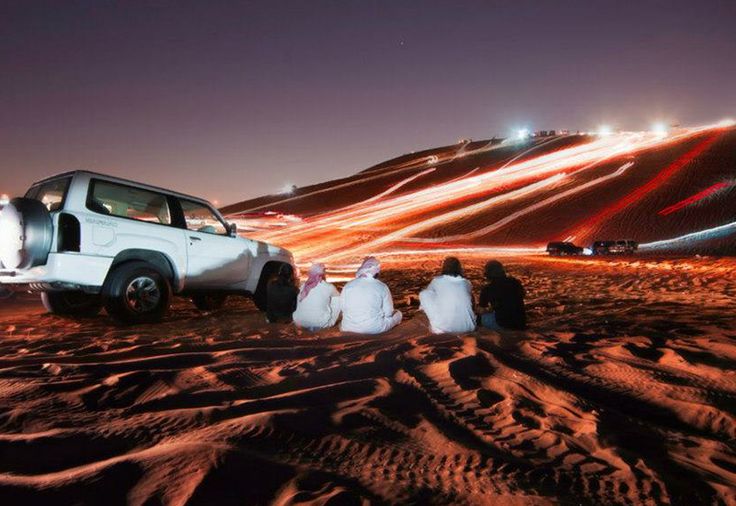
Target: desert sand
[{"x": 623, "y": 391}]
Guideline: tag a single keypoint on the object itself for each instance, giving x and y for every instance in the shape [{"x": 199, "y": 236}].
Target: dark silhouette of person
[
  {"x": 281, "y": 294},
  {"x": 501, "y": 300}
]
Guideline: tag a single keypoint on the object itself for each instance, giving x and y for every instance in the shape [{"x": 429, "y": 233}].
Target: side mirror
[{"x": 232, "y": 229}]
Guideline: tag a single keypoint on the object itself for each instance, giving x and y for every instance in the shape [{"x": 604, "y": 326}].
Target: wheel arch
[{"x": 157, "y": 259}]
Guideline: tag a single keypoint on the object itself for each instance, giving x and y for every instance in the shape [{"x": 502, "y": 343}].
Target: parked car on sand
[
  {"x": 621, "y": 247},
  {"x": 563, "y": 248},
  {"x": 86, "y": 240}
]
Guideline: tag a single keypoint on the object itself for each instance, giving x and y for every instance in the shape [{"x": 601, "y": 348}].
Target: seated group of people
[{"x": 367, "y": 307}]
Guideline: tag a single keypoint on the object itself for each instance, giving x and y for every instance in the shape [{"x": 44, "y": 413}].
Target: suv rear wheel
[
  {"x": 209, "y": 301},
  {"x": 137, "y": 293},
  {"x": 71, "y": 303}
]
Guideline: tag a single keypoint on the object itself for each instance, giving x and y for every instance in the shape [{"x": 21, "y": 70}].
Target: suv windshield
[{"x": 50, "y": 193}]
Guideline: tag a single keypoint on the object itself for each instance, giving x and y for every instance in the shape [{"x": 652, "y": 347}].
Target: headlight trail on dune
[
  {"x": 527, "y": 210},
  {"x": 702, "y": 235},
  {"x": 589, "y": 226},
  {"x": 693, "y": 199},
  {"x": 395, "y": 215}
]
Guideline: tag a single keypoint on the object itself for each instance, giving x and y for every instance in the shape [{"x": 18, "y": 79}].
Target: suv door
[
  {"x": 125, "y": 217},
  {"x": 216, "y": 260}
]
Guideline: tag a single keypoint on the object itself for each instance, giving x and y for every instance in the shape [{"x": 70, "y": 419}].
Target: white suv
[{"x": 87, "y": 240}]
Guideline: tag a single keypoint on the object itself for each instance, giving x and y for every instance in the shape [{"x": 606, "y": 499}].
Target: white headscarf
[
  {"x": 316, "y": 276},
  {"x": 371, "y": 266}
]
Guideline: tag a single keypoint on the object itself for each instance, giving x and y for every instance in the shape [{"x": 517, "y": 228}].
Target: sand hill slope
[{"x": 670, "y": 193}]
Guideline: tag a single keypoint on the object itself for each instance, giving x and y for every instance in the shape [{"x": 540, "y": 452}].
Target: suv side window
[
  {"x": 200, "y": 218},
  {"x": 52, "y": 194},
  {"x": 115, "y": 199}
]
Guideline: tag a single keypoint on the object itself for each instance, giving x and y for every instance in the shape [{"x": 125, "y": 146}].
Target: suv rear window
[
  {"x": 115, "y": 199},
  {"x": 52, "y": 193}
]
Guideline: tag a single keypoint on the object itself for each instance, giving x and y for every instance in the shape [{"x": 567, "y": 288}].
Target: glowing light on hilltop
[
  {"x": 660, "y": 130},
  {"x": 287, "y": 189},
  {"x": 728, "y": 122},
  {"x": 604, "y": 131},
  {"x": 522, "y": 134}
]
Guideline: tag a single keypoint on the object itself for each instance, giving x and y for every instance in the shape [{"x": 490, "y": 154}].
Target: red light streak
[
  {"x": 590, "y": 225},
  {"x": 693, "y": 199},
  {"x": 387, "y": 223}
]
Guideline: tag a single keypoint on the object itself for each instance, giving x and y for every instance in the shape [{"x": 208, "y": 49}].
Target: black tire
[
  {"x": 71, "y": 303},
  {"x": 259, "y": 297},
  {"x": 135, "y": 292},
  {"x": 209, "y": 301}
]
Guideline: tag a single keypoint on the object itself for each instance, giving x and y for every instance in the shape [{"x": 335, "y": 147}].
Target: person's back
[
  {"x": 320, "y": 308},
  {"x": 448, "y": 300},
  {"x": 506, "y": 296},
  {"x": 318, "y": 303},
  {"x": 367, "y": 307},
  {"x": 281, "y": 293}
]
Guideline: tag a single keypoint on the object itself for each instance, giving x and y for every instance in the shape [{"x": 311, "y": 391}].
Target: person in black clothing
[
  {"x": 504, "y": 296},
  {"x": 281, "y": 294}
]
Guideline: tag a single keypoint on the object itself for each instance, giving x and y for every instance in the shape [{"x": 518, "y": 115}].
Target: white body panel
[{"x": 199, "y": 260}]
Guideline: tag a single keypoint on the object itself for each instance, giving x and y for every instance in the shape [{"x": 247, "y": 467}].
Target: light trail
[
  {"x": 413, "y": 164},
  {"x": 702, "y": 235},
  {"x": 380, "y": 224},
  {"x": 693, "y": 199},
  {"x": 534, "y": 207},
  {"x": 591, "y": 224},
  {"x": 332, "y": 218}
]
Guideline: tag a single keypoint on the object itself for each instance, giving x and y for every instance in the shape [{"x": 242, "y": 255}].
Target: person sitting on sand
[
  {"x": 504, "y": 296},
  {"x": 281, "y": 294},
  {"x": 367, "y": 307},
  {"x": 448, "y": 300},
  {"x": 318, "y": 304}
]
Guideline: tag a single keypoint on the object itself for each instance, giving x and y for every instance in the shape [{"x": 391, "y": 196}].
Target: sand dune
[
  {"x": 671, "y": 194},
  {"x": 623, "y": 391}
]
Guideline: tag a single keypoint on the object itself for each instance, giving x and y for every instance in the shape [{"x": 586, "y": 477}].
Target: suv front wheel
[
  {"x": 71, "y": 303},
  {"x": 137, "y": 293}
]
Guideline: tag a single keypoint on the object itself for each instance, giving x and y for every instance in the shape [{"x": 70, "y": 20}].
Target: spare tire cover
[{"x": 26, "y": 233}]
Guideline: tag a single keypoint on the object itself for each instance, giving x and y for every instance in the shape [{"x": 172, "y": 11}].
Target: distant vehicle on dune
[
  {"x": 620, "y": 247},
  {"x": 563, "y": 248}
]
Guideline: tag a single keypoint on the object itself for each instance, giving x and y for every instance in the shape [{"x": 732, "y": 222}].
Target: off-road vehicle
[
  {"x": 563, "y": 248},
  {"x": 621, "y": 247},
  {"x": 86, "y": 240}
]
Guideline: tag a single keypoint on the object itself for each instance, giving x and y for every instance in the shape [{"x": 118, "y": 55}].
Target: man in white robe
[
  {"x": 318, "y": 303},
  {"x": 448, "y": 300},
  {"x": 367, "y": 306}
]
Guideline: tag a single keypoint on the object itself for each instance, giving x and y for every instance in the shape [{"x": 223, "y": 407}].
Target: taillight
[{"x": 69, "y": 237}]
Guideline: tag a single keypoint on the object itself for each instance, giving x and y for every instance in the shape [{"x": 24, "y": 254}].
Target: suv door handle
[{"x": 192, "y": 238}]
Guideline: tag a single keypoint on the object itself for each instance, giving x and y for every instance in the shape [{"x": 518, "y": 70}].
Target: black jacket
[
  {"x": 280, "y": 301},
  {"x": 506, "y": 298}
]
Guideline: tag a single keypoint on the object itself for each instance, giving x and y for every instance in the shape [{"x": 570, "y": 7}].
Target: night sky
[{"x": 229, "y": 100}]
